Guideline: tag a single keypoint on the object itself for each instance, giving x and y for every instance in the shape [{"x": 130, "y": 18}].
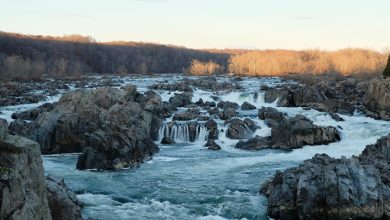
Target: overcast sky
[{"x": 249, "y": 24}]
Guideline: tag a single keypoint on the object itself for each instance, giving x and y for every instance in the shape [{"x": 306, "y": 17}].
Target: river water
[{"x": 187, "y": 181}]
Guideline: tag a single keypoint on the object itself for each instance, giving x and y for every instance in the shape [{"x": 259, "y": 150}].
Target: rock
[
  {"x": 167, "y": 141},
  {"x": 239, "y": 129},
  {"x": 3, "y": 129},
  {"x": 328, "y": 188},
  {"x": 212, "y": 128},
  {"x": 22, "y": 184},
  {"x": 180, "y": 99},
  {"x": 377, "y": 99},
  {"x": 211, "y": 145},
  {"x": 63, "y": 203},
  {"x": 336, "y": 117},
  {"x": 247, "y": 106},
  {"x": 200, "y": 102},
  {"x": 256, "y": 143},
  {"x": 329, "y": 96},
  {"x": 213, "y": 111},
  {"x": 227, "y": 105},
  {"x": 210, "y": 104},
  {"x": 227, "y": 114},
  {"x": 212, "y": 84},
  {"x": 112, "y": 127},
  {"x": 289, "y": 133},
  {"x": 33, "y": 113},
  {"x": 184, "y": 116},
  {"x": 172, "y": 87}
]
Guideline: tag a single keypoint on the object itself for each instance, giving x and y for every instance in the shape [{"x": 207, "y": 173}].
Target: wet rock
[
  {"x": 210, "y": 104},
  {"x": 226, "y": 105},
  {"x": 213, "y": 111},
  {"x": 63, "y": 203},
  {"x": 329, "y": 96},
  {"x": 199, "y": 102},
  {"x": 180, "y": 99},
  {"x": 184, "y": 116},
  {"x": 227, "y": 113},
  {"x": 172, "y": 87},
  {"x": 328, "y": 188},
  {"x": 247, "y": 106},
  {"x": 336, "y": 117},
  {"x": 211, "y": 145},
  {"x": 22, "y": 184},
  {"x": 239, "y": 129},
  {"x": 256, "y": 143},
  {"x": 33, "y": 113},
  {"x": 290, "y": 133},
  {"x": 112, "y": 127},
  {"x": 167, "y": 141}
]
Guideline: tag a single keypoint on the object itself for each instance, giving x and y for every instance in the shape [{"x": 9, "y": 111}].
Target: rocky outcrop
[
  {"x": 226, "y": 105},
  {"x": 328, "y": 188},
  {"x": 329, "y": 96},
  {"x": 22, "y": 185},
  {"x": 213, "y": 133},
  {"x": 180, "y": 99},
  {"x": 247, "y": 106},
  {"x": 289, "y": 133},
  {"x": 63, "y": 203},
  {"x": 241, "y": 129},
  {"x": 114, "y": 128},
  {"x": 377, "y": 99},
  {"x": 33, "y": 113},
  {"x": 227, "y": 114}
]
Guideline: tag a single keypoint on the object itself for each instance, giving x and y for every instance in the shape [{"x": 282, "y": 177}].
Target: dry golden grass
[{"x": 282, "y": 62}]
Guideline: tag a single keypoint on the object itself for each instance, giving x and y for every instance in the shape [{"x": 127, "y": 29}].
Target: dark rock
[
  {"x": 336, "y": 117},
  {"x": 227, "y": 114},
  {"x": 33, "y": 113},
  {"x": 185, "y": 116},
  {"x": 211, "y": 145},
  {"x": 172, "y": 87},
  {"x": 63, "y": 203},
  {"x": 212, "y": 128},
  {"x": 114, "y": 128},
  {"x": 213, "y": 111},
  {"x": 227, "y": 105},
  {"x": 247, "y": 106},
  {"x": 377, "y": 99},
  {"x": 238, "y": 129},
  {"x": 328, "y": 188},
  {"x": 290, "y": 133},
  {"x": 181, "y": 99},
  {"x": 22, "y": 185},
  {"x": 167, "y": 140},
  {"x": 210, "y": 104}
]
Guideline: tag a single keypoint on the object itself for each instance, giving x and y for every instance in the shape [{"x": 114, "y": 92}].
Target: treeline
[
  {"x": 30, "y": 57},
  {"x": 282, "y": 62}
]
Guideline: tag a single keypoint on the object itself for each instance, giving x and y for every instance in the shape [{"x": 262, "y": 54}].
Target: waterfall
[{"x": 182, "y": 133}]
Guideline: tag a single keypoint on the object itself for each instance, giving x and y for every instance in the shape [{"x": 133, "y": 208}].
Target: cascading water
[{"x": 183, "y": 132}]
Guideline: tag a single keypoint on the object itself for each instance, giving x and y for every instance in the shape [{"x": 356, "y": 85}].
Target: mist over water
[{"x": 187, "y": 181}]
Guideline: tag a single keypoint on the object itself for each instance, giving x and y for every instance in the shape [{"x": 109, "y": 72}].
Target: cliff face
[{"x": 22, "y": 184}]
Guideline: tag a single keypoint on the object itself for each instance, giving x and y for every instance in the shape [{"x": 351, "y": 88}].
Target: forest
[{"x": 30, "y": 57}]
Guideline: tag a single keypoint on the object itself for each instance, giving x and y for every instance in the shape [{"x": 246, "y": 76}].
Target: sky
[{"x": 247, "y": 24}]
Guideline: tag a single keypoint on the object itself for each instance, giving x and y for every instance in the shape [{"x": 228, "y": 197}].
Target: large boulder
[
  {"x": 113, "y": 128},
  {"x": 22, "y": 185},
  {"x": 63, "y": 203},
  {"x": 227, "y": 114},
  {"x": 247, "y": 106},
  {"x": 226, "y": 105},
  {"x": 241, "y": 129},
  {"x": 328, "y": 188},
  {"x": 289, "y": 133},
  {"x": 181, "y": 99},
  {"x": 377, "y": 99}
]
